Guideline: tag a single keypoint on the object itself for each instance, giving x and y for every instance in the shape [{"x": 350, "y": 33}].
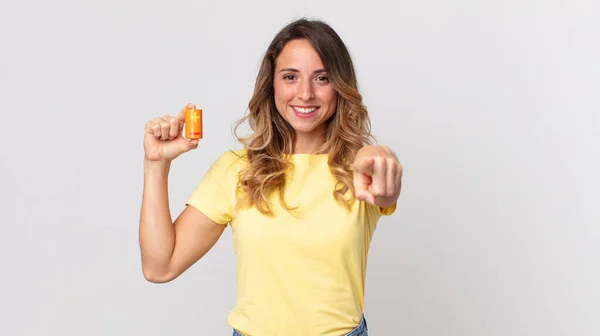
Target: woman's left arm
[{"x": 377, "y": 176}]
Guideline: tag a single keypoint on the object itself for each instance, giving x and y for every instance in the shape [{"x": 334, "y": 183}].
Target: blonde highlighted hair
[{"x": 272, "y": 137}]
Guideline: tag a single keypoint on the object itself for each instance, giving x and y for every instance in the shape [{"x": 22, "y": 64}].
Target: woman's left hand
[{"x": 377, "y": 176}]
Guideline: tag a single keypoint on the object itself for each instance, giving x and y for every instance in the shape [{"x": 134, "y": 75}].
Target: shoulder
[
  {"x": 228, "y": 162},
  {"x": 232, "y": 157}
]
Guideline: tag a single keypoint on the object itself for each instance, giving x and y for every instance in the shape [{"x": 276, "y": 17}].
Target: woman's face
[{"x": 303, "y": 95}]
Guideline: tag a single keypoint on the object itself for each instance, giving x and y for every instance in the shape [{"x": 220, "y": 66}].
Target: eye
[
  {"x": 289, "y": 77},
  {"x": 323, "y": 79}
]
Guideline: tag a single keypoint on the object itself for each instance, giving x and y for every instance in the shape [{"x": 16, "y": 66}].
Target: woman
[{"x": 303, "y": 197}]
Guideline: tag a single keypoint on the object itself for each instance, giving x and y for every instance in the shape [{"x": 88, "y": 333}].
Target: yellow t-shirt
[{"x": 299, "y": 273}]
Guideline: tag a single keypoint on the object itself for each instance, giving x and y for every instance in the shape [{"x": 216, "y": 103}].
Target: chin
[{"x": 303, "y": 128}]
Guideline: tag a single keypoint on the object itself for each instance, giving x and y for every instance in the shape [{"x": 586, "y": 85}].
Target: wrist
[{"x": 158, "y": 166}]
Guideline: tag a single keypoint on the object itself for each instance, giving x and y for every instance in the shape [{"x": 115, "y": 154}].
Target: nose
[{"x": 306, "y": 91}]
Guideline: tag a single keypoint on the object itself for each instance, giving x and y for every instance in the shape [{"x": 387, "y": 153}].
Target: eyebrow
[{"x": 296, "y": 70}]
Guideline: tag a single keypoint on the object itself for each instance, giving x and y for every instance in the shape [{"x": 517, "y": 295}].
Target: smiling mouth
[{"x": 305, "y": 110}]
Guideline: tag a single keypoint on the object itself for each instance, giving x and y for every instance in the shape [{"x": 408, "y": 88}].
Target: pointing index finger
[{"x": 365, "y": 166}]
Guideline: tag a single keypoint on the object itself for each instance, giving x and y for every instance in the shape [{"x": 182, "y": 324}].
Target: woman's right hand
[{"x": 163, "y": 139}]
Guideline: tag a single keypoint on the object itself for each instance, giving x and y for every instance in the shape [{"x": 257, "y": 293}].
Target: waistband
[{"x": 360, "y": 330}]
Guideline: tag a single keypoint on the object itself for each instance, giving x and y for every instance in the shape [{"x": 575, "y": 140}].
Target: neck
[{"x": 307, "y": 143}]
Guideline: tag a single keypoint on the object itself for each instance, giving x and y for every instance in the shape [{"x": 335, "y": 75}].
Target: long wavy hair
[{"x": 272, "y": 138}]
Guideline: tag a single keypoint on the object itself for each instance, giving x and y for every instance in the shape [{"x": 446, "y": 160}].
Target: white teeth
[{"x": 305, "y": 110}]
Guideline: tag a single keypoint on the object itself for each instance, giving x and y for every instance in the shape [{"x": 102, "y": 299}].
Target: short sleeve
[
  {"x": 374, "y": 213},
  {"x": 388, "y": 211},
  {"x": 214, "y": 196}
]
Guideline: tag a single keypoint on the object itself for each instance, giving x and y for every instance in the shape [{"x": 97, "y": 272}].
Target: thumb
[
  {"x": 187, "y": 145},
  {"x": 192, "y": 144},
  {"x": 361, "y": 188},
  {"x": 364, "y": 195}
]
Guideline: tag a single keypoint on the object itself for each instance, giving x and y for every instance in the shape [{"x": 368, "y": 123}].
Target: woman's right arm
[{"x": 169, "y": 248}]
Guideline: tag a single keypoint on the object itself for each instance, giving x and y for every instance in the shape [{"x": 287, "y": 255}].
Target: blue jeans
[{"x": 360, "y": 330}]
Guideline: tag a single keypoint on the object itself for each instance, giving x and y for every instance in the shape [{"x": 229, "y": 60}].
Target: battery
[{"x": 193, "y": 124}]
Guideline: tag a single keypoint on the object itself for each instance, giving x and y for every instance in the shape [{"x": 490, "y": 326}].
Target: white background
[{"x": 492, "y": 107}]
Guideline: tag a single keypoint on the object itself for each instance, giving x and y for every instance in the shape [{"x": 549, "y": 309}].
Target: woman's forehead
[{"x": 299, "y": 55}]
